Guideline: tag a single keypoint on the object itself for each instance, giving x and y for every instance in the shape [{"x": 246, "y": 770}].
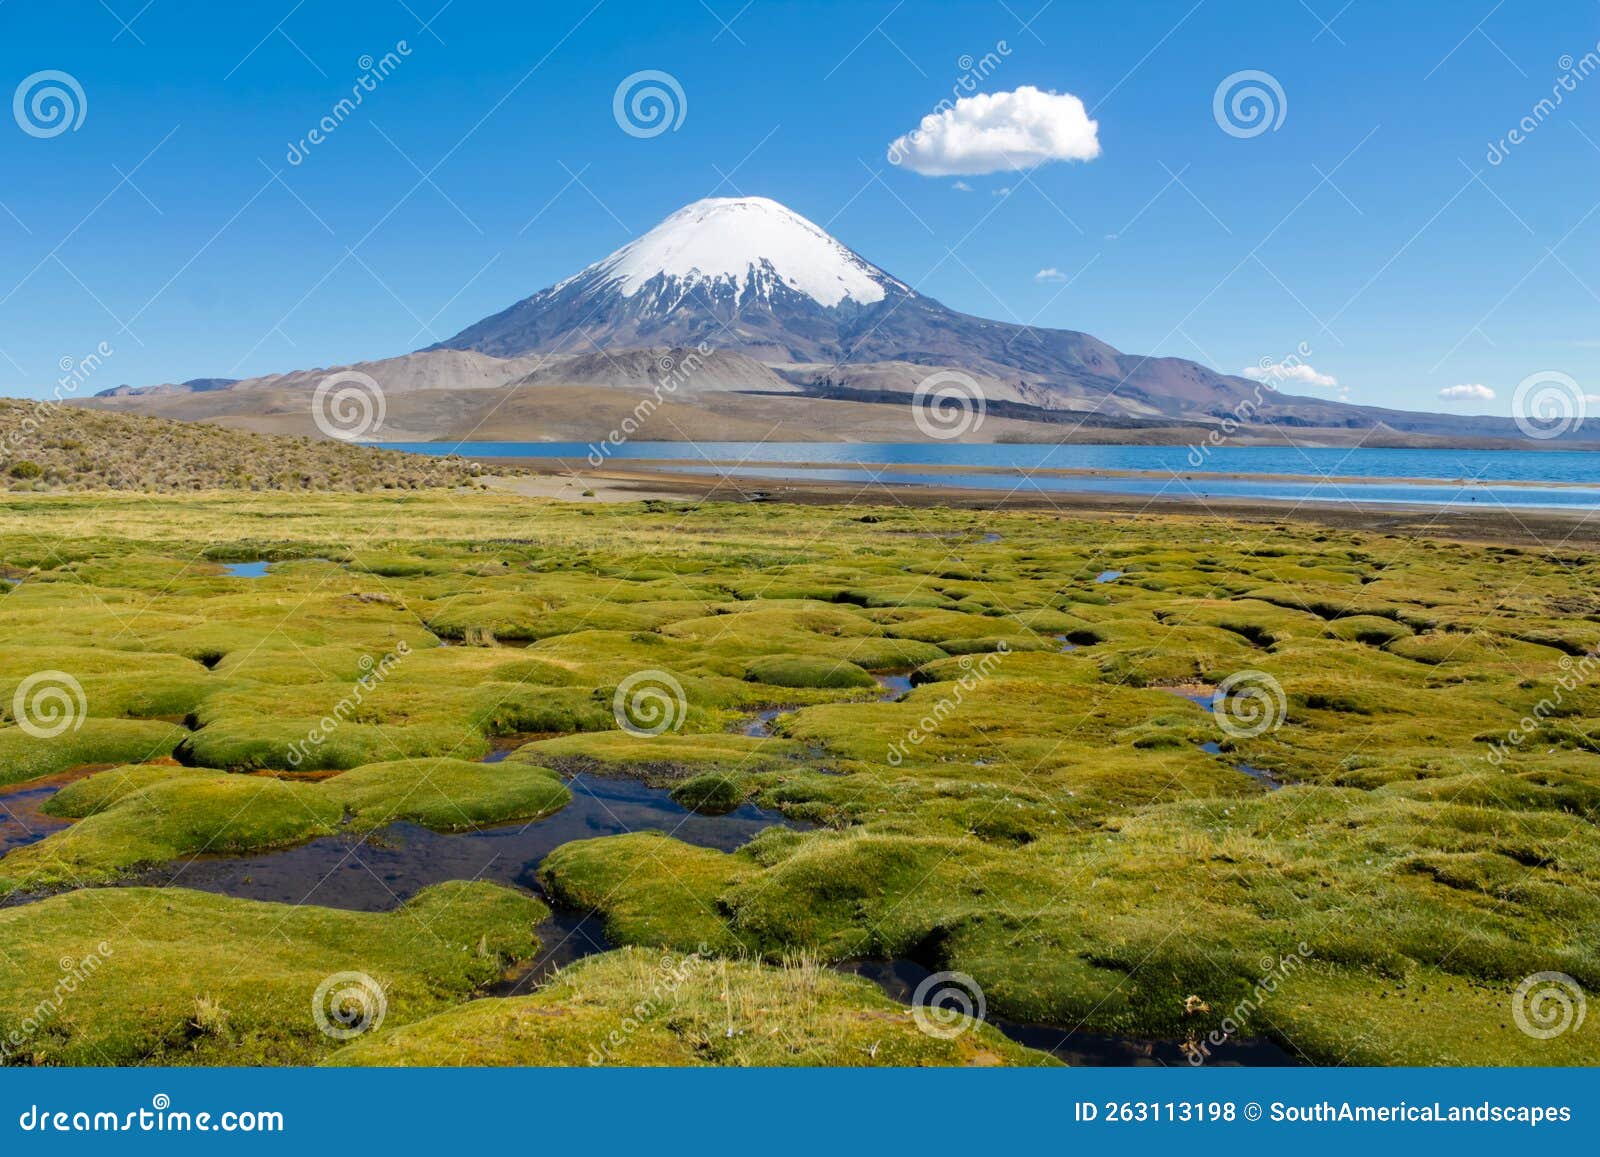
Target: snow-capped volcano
[
  {"x": 749, "y": 245},
  {"x": 806, "y": 334},
  {"x": 738, "y": 272},
  {"x": 749, "y": 275}
]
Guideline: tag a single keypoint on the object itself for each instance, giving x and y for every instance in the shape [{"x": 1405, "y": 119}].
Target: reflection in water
[
  {"x": 1211, "y": 747},
  {"x": 1195, "y": 693},
  {"x": 21, "y": 821},
  {"x": 567, "y": 937},
  {"x": 896, "y": 684},
  {"x": 378, "y": 872}
]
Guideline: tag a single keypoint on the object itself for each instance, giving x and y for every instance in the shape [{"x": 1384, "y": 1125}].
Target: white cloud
[
  {"x": 1467, "y": 392},
  {"x": 1282, "y": 373},
  {"x": 963, "y": 186},
  {"x": 1050, "y": 273},
  {"x": 997, "y": 132}
]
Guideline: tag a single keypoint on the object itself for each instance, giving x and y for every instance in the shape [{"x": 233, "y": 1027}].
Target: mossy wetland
[{"x": 1209, "y": 789}]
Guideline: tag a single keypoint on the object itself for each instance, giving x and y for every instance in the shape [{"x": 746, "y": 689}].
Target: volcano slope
[{"x": 1378, "y": 846}]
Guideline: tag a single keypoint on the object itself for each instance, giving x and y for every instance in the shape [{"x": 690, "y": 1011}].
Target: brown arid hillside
[{"x": 45, "y": 446}]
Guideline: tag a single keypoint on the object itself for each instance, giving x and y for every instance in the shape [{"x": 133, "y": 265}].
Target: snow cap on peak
[{"x": 733, "y": 239}]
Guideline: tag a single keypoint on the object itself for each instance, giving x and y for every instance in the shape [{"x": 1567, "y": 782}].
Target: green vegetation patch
[
  {"x": 144, "y": 976},
  {"x": 644, "y": 1008},
  {"x": 108, "y": 741},
  {"x": 800, "y": 671},
  {"x": 1064, "y": 825},
  {"x": 447, "y": 794}
]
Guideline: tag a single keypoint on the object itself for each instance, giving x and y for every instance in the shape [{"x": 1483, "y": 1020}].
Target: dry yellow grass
[{"x": 45, "y": 446}]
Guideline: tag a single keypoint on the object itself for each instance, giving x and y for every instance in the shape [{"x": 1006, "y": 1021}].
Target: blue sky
[{"x": 1368, "y": 227}]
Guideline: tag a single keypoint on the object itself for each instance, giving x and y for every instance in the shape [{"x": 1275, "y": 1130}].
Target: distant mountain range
[{"x": 749, "y": 321}]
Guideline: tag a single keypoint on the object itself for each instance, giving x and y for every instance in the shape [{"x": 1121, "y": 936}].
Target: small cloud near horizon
[
  {"x": 962, "y": 186},
  {"x": 1299, "y": 374},
  {"x": 998, "y": 132},
  {"x": 1050, "y": 273},
  {"x": 1470, "y": 391}
]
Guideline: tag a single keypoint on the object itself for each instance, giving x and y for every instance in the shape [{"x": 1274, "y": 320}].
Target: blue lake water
[
  {"x": 1571, "y": 478},
  {"x": 246, "y": 569}
]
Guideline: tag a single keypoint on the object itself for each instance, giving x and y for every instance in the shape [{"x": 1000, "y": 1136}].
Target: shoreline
[
  {"x": 1547, "y": 527},
  {"x": 660, "y": 465}
]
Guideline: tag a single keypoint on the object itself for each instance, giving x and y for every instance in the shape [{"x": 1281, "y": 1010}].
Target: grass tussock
[{"x": 632, "y": 1007}]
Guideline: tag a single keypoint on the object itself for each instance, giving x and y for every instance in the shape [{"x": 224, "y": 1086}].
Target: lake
[{"x": 1512, "y": 478}]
